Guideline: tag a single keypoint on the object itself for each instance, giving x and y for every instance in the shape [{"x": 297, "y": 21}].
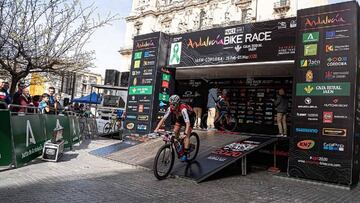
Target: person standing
[
  {"x": 281, "y": 106},
  {"x": 51, "y": 93},
  {"x": 25, "y": 101},
  {"x": 211, "y": 105},
  {"x": 17, "y": 95},
  {"x": 4, "y": 94},
  {"x": 57, "y": 105},
  {"x": 197, "y": 107}
]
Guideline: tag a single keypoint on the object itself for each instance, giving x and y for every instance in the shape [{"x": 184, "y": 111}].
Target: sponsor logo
[
  {"x": 309, "y": 116},
  {"x": 165, "y": 84},
  {"x": 323, "y": 89},
  {"x": 166, "y": 77},
  {"x": 144, "y": 44},
  {"x": 162, "y": 104},
  {"x": 164, "y": 70},
  {"x": 135, "y": 82},
  {"x": 281, "y": 25},
  {"x": 130, "y": 126},
  {"x": 137, "y": 55},
  {"x": 141, "y": 127},
  {"x": 337, "y": 61},
  {"x": 309, "y": 63},
  {"x": 233, "y": 31},
  {"x": 324, "y": 20},
  {"x": 310, "y": 37},
  {"x": 141, "y": 108},
  {"x": 146, "y": 81},
  {"x": 337, "y": 34},
  {"x": 335, "y": 104},
  {"x": 331, "y": 48},
  {"x": 307, "y": 130},
  {"x": 309, "y": 76},
  {"x": 140, "y": 90},
  {"x": 135, "y": 72},
  {"x": 149, "y": 54},
  {"x": 318, "y": 158},
  {"x": 333, "y": 147},
  {"x": 310, "y": 50},
  {"x": 131, "y": 116},
  {"x": 337, "y": 132},
  {"x": 163, "y": 97},
  {"x": 144, "y": 99},
  {"x": 292, "y": 23},
  {"x": 143, "y": 118},
  {"x": 287, "y": 49},
  {"x": 149, "y": 63},
  {"x": 148, "y": 72},
  {"x": 329, "y": 75},
  {"x": 328, "y": 117},
  {"x": 306, "y": 144},
  {"x": 307, "y": 101}
]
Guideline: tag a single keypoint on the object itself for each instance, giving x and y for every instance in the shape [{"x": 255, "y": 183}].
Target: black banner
[
  {"x": 263, "y": 41},
  {"x": 322, "y": 142},
  {"x": 147, "y": 87}
]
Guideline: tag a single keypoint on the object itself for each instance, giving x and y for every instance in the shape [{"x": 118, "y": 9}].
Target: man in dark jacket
[
  {"x": 17, "y": 95},
  {"x": 4, "y": 94},
  {"x": 211, "y": 105},
  {"x": 281, "y": 106}
]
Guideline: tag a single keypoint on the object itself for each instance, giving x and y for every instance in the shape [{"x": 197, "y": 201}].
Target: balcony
[
  {"x": 242, "y": 4},
  {"x": 125, "y": 50},
  {"x": 282, "y": 6}
]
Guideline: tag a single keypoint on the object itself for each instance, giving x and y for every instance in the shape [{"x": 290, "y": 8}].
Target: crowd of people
[{"x": 23, "y": 102}]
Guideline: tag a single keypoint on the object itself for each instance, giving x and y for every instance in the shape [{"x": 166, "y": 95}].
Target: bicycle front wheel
[
  {"x": 107, "y": 127},
  {"x": 230, "y": 123},
  {"x": 164, "y": 162}
]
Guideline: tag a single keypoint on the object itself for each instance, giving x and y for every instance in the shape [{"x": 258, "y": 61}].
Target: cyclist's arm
[
  {"x": 161, "y": 122},
  {"x": 185, "y": 115}
]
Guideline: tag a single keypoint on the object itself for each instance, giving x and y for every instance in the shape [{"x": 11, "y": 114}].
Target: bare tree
[{"x": 45, "y": 36}]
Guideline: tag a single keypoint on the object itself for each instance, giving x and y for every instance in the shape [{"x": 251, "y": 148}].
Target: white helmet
[{"x": 174, "y": 99}]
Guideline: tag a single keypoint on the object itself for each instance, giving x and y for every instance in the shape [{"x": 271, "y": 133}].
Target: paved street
[{"x": 82, "y": 177}]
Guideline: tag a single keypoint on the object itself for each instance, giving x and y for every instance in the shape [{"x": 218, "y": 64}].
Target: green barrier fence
[
  {"x": 29, "y": 137},
  {"x": 6, "y": 152},
  {"x": 22, "y": 137}
]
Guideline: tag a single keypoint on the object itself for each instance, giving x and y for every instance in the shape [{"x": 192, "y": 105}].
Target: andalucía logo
[
  {"x": 325, "y": 20},
  {"x": 145, "y": 44},
  {"x": 310, "y": 37},
  {"x": 205, "y": 42}
]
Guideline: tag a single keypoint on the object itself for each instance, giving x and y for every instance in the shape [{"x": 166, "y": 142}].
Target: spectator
[
  {"x": 211, "y": 105},
  {"x": 16, "y": 98},
  {"x": 25, "y": 101},
  {"x": 36, "y": 100},
  {"x": 197, "y": 107},
  {"x": 281, "y": 105},
  {"x": 51, "y": 93},
  {"x": 57, "y": 105},
  {"x": 4, "y": 94},
  {"x": 44, "y": 104}
]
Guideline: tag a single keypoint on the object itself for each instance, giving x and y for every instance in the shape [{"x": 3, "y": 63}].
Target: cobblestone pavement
[{"x": 81, "y": 177}]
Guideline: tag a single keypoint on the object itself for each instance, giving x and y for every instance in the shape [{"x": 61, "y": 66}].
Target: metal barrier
[{"x": 22, "y": 136}]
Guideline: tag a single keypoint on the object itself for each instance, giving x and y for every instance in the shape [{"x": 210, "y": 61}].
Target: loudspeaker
[
  {"x": 110, "y": 77},
  {"x": 124, "y": 79}
]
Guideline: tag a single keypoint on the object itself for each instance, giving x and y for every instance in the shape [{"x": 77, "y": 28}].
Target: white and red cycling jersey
[{"x": 183, "y": 111}]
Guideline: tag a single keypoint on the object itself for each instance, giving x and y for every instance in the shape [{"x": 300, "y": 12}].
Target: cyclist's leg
[{"x": 177, "y": 128}]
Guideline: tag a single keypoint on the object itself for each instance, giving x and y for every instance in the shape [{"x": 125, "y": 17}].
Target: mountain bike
[
  {"x": 111, "y": 125},
  {"x": 225, "y": 121},
  {"x": 165, "y": 157}
]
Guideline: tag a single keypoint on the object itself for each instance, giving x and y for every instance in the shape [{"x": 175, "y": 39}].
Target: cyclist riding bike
[
  {"x": 222, "y": 106},
  {"x": 184, "y": 115}
]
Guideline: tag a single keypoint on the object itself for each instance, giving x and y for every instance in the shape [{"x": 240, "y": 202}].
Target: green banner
[
  {"x": 5, "y": 140},
  {"x": 29, "y": 137},
  {"x": 323, "y": 89},
  {"x": 140, "y": 90}
]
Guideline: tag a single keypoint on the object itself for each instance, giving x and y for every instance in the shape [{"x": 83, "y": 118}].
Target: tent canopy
[{"x": 92, "y": 98}]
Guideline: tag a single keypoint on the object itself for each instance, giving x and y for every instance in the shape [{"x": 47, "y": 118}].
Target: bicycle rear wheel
[
  {"x": 194, "y": 146},
  {"x": 230, "y": 124},
  {"x": 164, "y": 162},
  {"x": 107, "y": 127}
]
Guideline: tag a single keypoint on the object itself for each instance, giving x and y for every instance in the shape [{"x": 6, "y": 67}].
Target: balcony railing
[{"x": 282, "y": 6}]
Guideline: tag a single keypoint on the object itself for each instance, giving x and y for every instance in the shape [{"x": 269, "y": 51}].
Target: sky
[{"x": 106, "y": 41}]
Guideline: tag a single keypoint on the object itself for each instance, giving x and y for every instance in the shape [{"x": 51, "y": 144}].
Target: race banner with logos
[
  {"x": 322, "y": 141},
  {"x": 263, "y": 41},
  {"x": 146, "y": 84}
]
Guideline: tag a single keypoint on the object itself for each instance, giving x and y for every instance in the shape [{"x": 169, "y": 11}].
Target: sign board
[{"x": 322, "y": 141}]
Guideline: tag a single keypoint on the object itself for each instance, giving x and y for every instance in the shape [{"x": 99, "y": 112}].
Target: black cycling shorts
[{"x": 180, "y": 120}]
